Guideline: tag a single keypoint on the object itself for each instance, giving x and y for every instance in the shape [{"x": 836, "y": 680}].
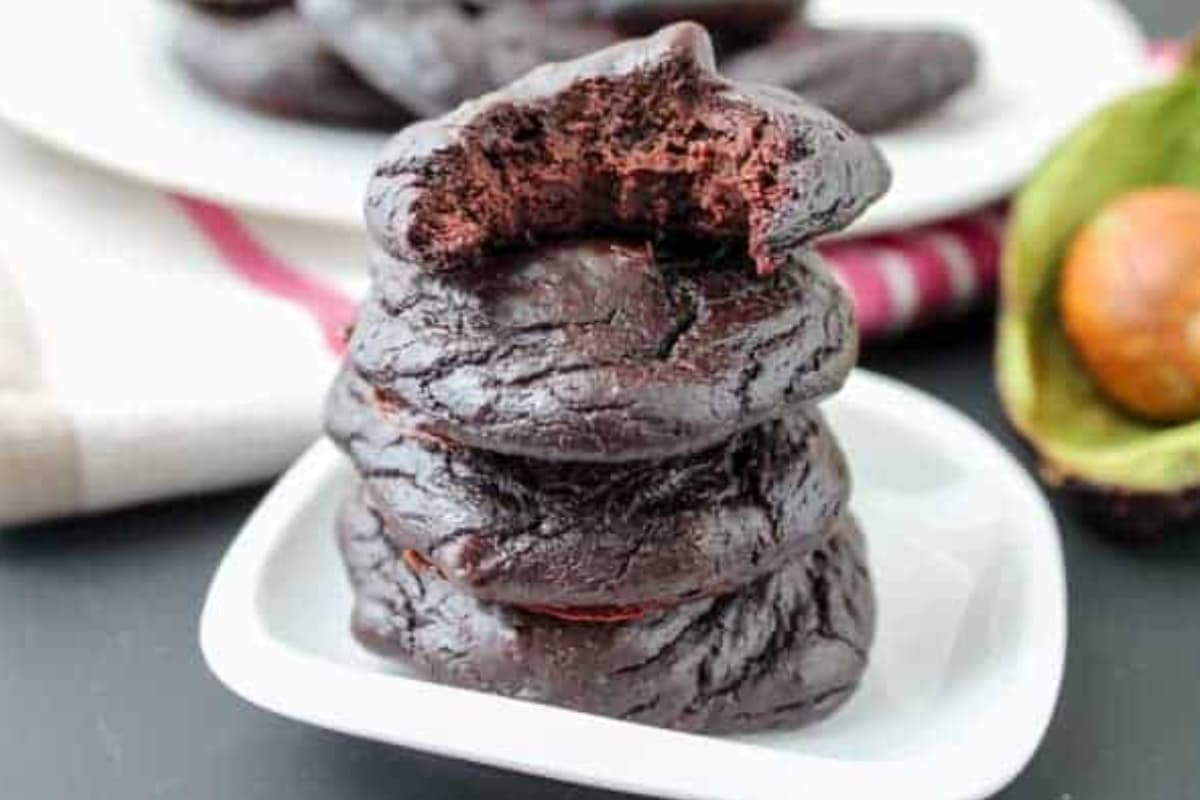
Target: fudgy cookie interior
[{"x": 664, "y": 149}]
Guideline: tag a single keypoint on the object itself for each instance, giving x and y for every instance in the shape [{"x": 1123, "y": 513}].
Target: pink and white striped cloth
[
  {"x": 153, "y": 345},
  {"x": 902, "y": 279}
]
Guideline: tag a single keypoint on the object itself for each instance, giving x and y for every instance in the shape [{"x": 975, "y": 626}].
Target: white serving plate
[
  {"x": 964, "y": 677},
  {"x": 101, "y": 87}
]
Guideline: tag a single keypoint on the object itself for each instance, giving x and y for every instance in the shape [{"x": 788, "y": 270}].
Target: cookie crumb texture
[
  {"x": 644, "y": 137},
  {"x": 785, "y": 650}
]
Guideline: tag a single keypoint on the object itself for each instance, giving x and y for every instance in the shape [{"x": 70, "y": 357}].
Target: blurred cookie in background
[
  {"x": 733, "y": 23},
  {"x": 430, "y": 56},
  {"x": 238, "y": 6},
  {"x": 382, "y": 63},
  {"x": 874, "y": 79},
  {"x": 275, "y": 63}
]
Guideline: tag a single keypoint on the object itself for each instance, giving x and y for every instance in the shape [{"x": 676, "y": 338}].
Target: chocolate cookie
[
  {"x": 734, "y": 23},
  {"x": 785, "y": 650},
  {"x": 875, "y": 80},
  {"x": 238, "y": 6},
  {"x": 518, "y": 531},
  {"x": 603, "y": 351},
  {"x": 641, "y": 137},
  {"x": 275, "y": 63},
  {"x": 431, "y": 55}
]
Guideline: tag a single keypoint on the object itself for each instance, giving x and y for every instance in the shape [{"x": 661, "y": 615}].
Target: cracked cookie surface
[
  {"x": 519, "y": 531},
  {"x": 603, "y": 350},
  {"x": 785, "y": 650}
]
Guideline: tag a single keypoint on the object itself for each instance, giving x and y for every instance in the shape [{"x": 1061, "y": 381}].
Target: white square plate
[{"x": 964, "y": 675}]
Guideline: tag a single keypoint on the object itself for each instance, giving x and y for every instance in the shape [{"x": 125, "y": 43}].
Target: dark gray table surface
[{"x": 103, "y": 693}]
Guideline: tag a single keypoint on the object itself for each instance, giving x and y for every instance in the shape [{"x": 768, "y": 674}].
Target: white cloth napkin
[{"x": 153, "y": 346}]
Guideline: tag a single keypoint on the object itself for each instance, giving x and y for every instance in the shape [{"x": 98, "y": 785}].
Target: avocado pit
[{"x": 1130, "y": 302}]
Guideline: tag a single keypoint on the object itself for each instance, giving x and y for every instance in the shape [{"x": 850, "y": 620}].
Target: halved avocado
[{"x": 1136, "y": 477}]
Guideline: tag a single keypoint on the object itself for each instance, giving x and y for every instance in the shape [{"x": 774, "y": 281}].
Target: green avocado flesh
[{"x": 1147, "y": 140}]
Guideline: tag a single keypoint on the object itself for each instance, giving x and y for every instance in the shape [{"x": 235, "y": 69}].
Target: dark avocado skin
[
  {"x": 1126, "y": 515},
  {"x": 1132, "y": 516}
]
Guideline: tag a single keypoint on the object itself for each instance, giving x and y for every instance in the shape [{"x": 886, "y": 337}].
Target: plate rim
[{"x": 239, "y": 650}]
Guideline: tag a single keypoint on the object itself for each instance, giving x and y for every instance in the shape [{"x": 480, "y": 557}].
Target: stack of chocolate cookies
[
  {"x": 581, "y": 396},
  {"x": 372, "y": 62}
]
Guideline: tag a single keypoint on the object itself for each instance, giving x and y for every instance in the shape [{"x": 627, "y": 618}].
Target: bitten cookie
[
  {"x": 519, "y": 531},
  {"x": 603, "y": 351},
  {"x": 783, "y": 651},
  {"x": 275, "y": 63},
  {"x": 643, "y": 137}
]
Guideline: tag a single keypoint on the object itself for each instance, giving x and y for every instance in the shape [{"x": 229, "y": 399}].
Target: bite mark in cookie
[{"x": 644, "y": 137}]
